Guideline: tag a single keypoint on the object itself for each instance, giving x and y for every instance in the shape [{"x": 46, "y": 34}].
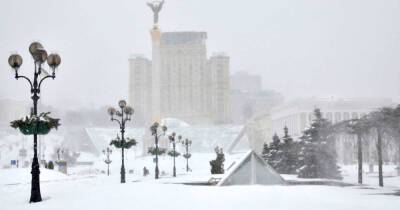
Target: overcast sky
[{"x": 302, "y": 48}]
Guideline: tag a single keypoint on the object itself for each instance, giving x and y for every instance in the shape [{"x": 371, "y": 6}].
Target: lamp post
[
  {"x": 174, "y": 153},
  {"x": 39, "y": 55},
  {"x": 187, "y": 155},
  {"x": 108, "y": 161},
  {"x": 124, "y": 115},
  {"x": 157, "y": 131}
]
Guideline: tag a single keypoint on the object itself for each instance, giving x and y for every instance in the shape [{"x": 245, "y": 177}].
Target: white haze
[{"x": 302, "y": 48}]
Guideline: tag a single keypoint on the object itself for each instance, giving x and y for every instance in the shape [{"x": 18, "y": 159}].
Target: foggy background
[{"x": 343, "y": 48}]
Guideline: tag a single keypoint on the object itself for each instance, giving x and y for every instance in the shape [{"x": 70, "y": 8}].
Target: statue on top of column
[{"x": 156, "y": 6}]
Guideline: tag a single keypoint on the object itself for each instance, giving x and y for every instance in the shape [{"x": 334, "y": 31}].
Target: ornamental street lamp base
[
  {"x": 157, "y": 172},
  {"x": 122, "y": 174},
  {"x": 35, "y": 185}
]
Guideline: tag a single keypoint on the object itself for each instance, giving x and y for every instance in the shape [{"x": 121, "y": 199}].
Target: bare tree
[{"x": 359, "y": 128}]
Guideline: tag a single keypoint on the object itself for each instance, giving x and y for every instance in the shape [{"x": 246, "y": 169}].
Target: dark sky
[{"x": 302, "y": 48}]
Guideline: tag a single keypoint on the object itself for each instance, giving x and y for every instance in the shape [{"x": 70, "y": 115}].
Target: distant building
[
  {"x": 245, "y": 105},
  {"x": 243, "y": 81},
  {"x": 298, "y": 114},
  {"x": 248, "y": 99},
  {"x": 180, "y": 81},
  {"x": 140, "y": 86},
  {"x": 220, "y": 87}
]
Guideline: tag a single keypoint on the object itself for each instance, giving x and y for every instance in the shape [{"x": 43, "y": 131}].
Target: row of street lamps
[
  {"x": 40, "y": 56},
  {"x": 156, "y": 130},
  {"x": 186, "y": 143}
]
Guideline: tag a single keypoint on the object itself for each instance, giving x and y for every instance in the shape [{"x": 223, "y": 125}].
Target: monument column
[
  {"x": 155, "y": 33},
  {"x": 155, "y": 74},
  {"x": 154, "y": 110}
]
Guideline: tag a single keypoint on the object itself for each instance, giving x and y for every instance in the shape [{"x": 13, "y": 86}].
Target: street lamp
[
  {"x": 108, "y": 161},
  {"x": 174, "y": 153},
  {"x": 187, "y": 155},
  {"x": 124, "y": 115},
  {"x": 157, "y": 131},
  {"x": 40, "y": 56}
]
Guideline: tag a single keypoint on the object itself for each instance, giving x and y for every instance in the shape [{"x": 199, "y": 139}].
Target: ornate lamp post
[
  {"x": 187, "y": 155},
  {"x": 124, "y": 115},
  {"x": 39, "y": 55},
  {"x": 108, "y": 161},
  {"x": 157, "y": 131},
  {"x": 174, "y": 153}
]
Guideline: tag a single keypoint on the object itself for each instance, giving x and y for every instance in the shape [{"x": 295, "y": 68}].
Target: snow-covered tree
[
  {"x": 289, "y": 157},
  {"x": 317, "y": 152},
  {"x": 265, "y": 151},
  {"x": 217, "y": 165},
  {"x": 273, "y": 153},
  {"x": 381, "y": 121}
]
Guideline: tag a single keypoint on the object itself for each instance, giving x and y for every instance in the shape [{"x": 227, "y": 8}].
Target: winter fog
[
  {"x": 300, "y": 48},
  {"x": 228, "y": 105}
]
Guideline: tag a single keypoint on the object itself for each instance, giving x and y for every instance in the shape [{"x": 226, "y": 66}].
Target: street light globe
[
  {"x": 111, "y": 111},
  {"x": 155, "y": 125},
  {"x": 128, "y": 110},
  {"x": 122, "y": 103},
  {"x": 53, "y": 60},
  {"x": 15, "y": 61},
  {"x": 40, "y": 55},
  {"x": 35, "y": 46},
  {"x": 153, "y": 128}
]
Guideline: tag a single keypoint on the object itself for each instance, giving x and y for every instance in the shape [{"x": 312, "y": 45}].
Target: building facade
[
  {"x": 140, "y": 86},
  {"x": 218, "y": 68},
  {"x": 190, "y": 86},
  {"x": 299, "y": 114}
]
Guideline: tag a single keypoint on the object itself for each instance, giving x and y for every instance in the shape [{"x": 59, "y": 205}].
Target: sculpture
[{"x": 156, "y": 7}]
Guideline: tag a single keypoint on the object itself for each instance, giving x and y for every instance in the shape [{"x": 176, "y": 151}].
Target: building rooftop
[{"x": 185, "y": 37}]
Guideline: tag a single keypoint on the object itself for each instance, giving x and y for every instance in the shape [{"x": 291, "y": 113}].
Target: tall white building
[
  {"x": 219, "y": 88},
  {"x": 140, "y": 86},
  {"x": 185, "y": 84}
]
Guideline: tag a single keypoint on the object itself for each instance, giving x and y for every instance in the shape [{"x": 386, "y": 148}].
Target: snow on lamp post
[
  {"x": 187, "y": 143},
  {"x": 123, "y": 115},
  {"x": 36, "y": 125},
  {"x": 174, "y": 153},
  {"x": 157, "y": 130},
  {"x": 108, "y": 161}
]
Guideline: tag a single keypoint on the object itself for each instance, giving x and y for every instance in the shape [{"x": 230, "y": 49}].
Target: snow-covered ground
[{"x": 86, "y": 188}]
